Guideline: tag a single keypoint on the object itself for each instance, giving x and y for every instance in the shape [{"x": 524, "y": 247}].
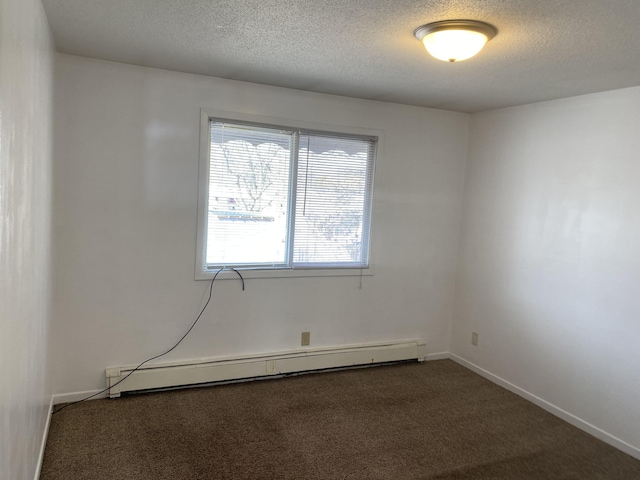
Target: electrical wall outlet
[
  {"x": 474, "y": 338},
  {"x": 305, "y": 339}
]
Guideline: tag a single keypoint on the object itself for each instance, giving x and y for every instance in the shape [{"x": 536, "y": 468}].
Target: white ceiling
[{"x": 545, "y": 49}]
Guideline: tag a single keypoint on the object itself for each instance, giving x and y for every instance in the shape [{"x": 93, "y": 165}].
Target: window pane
[
  {"x": 248, "y": 195},
  {"x": 332, "y": 203}
]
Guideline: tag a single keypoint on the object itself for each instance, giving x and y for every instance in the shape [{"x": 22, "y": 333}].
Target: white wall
[
  {"x": 549, "y": 267},
  {"x": 25, "y": 174},
  {"x": 126, "y": 148}
]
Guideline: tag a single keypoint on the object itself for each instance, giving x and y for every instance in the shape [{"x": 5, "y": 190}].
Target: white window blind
[
  {"x": 333, "y": 201},
  {"x": 287, "y": 198},
  {"x": 249, "y": 177}
]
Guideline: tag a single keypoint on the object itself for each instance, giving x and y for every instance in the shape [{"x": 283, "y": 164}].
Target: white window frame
[{"x": 202, "y": 272}]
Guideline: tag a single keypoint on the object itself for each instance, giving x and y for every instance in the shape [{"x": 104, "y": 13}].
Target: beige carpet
[{"x": 435, "y": 420}]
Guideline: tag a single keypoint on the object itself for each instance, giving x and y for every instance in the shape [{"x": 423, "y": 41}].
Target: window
[{"x": 278, "y": 197}]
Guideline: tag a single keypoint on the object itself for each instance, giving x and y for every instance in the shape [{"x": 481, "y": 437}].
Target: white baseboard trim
[
  {"x": 43, "y": 443},
  {"x": 551, "y": 408},
  {"x": 77, "y": 396},
  {"x": 436, "y": 356}
]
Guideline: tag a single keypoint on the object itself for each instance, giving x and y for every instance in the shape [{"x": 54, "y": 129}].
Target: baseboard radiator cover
[{"x": 210, "y": 370}]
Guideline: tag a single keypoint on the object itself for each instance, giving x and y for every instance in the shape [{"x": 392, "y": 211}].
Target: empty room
[{"x": 319, "y": 239}]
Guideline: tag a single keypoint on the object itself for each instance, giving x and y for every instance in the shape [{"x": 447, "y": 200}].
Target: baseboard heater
[{"x": 209, "y": 370}]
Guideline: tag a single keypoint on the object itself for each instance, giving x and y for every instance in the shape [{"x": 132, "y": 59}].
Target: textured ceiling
[{"x": 544, "y": 49}]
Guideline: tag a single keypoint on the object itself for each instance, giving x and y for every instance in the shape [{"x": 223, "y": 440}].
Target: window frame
[{"x": 202, "y": 270}]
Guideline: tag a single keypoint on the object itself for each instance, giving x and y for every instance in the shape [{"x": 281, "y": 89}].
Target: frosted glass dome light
[{"x": 455, "y": 40}]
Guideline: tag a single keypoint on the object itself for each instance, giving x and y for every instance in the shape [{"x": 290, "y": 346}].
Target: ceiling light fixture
[{"x": 455, "y": 40}]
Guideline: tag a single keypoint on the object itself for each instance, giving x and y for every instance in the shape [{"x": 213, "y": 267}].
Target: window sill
[{"x": 285, "y": 273}]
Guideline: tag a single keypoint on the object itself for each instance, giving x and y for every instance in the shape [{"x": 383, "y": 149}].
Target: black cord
[
  {"x": 162, "y": 354},
  {"x": 234, "y": 270}
]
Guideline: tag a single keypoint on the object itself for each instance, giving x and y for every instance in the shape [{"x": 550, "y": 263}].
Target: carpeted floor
[{"x": 428, "y": 421}]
